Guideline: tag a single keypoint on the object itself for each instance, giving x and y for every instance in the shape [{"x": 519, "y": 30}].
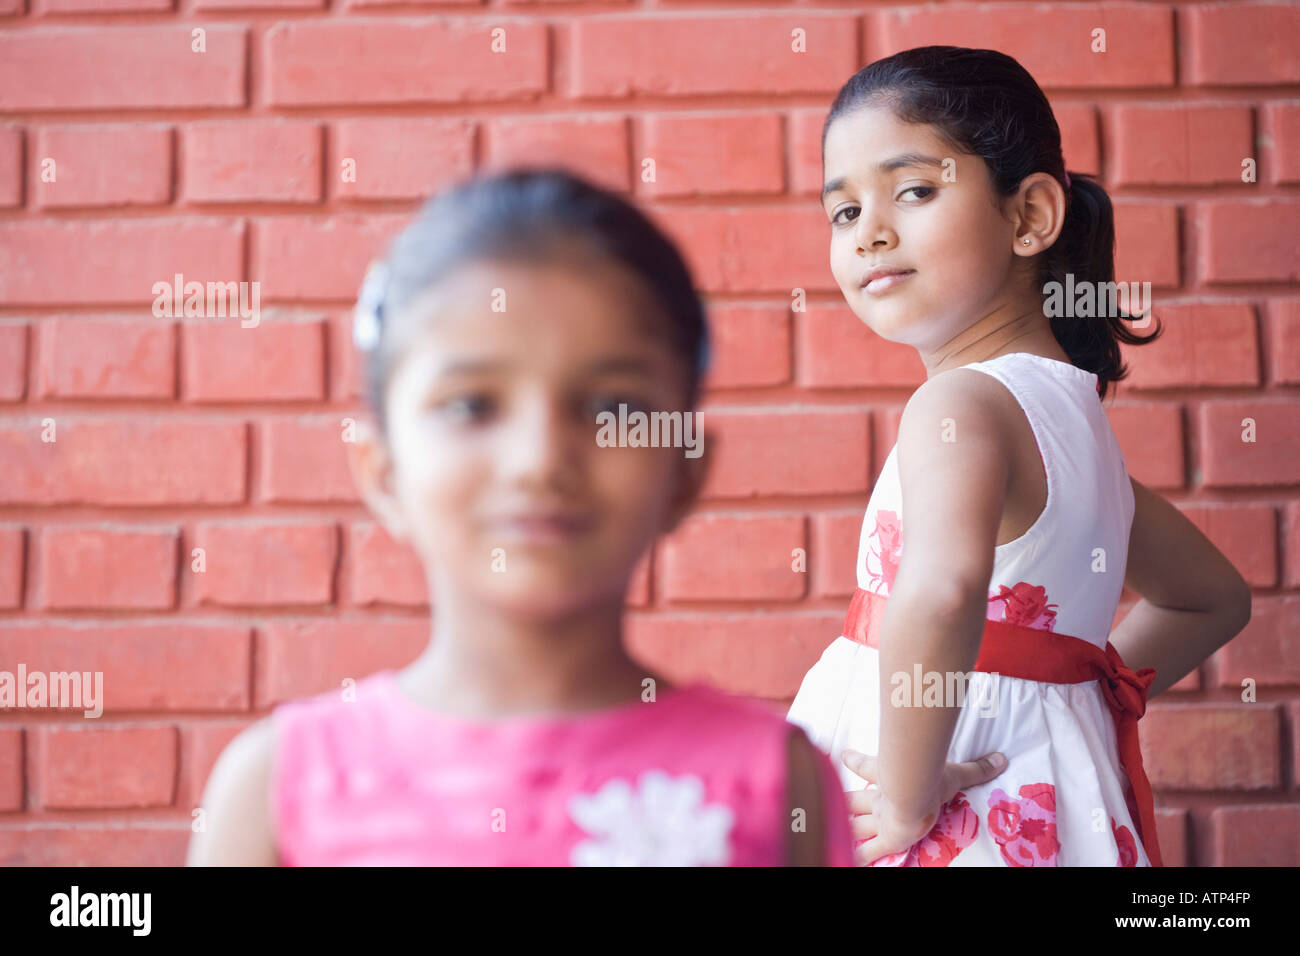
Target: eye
[
  {"x": 925, "y": 189},
  {"x": 610, "y": 403},
  {"x": 467, "y": 409},
  {"x": 835, "y": 219}
]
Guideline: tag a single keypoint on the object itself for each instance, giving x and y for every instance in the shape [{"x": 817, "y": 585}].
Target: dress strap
[{"x": 1031, "y": 653}]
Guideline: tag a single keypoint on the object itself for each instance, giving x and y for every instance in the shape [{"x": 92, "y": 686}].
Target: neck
[
  {"x": 1021, "y": 327},
  {"x": 483, "y": 662}
]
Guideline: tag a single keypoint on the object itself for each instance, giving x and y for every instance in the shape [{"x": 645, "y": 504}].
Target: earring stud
[{"x": 1025, "y": 241}]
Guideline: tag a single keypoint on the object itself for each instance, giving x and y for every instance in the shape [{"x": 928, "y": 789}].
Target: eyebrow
[{"x": 900, "y": 161}]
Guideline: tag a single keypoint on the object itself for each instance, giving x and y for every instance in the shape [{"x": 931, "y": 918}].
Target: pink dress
[{"x": 696, "y": 778}]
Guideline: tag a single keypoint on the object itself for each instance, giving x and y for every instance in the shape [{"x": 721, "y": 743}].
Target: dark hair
[
  {"x": 527, "y": 214},
  {"x": 984, "y": 102}
]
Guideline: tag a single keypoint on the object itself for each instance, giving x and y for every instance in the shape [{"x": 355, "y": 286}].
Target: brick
[
  {"x": 11, "y": 166},
  {"x": 358, "y": 61},
  {"x": 1281, "y": 141},
  {"x": 757, "y": 655},
  {"x": 207, "y": 666},
  {"x": 113, "y": 568},
  {"x": 383, "y": 571},
  {"x": 94, "y": 844},
  {"x": 1200, "y": 345},
  {"x": 300, "y": 658},
  {"x": 749, "y": 347},
  {"x": 1214, "y": 36},
  {"x": 106, "y": 767},
  {"x": 11, "y": 769},
  {"x": 1150, "y": 435},
  {"x": 1058, "y": 52},
  {"x": 1255, "y": 835},
  {"x": 222, "y": 5},
  {"x": 202, "y": 744},
  {"x": 1228, "y": 460},
  {"x": 118, "y": 261},
  {"x": 719, "y": 243},
  {"x": 12, "y": 563},
  {"x": 1283, "y": 338},
  {"x": 700, "y": 154},
  {"x": 346, "y": 364},
  {"x": 253, "y": 161},
  {"x": 1147, "y": 244},
  {"x": 305, "y": 461},
  {"x": 886, "y": 422},
  {"x": 127, "y": 67},
  {"x": 1171, "y": 831},
  {"x": 1180, "y": 144},
  {"x": 124, "y": 462},
  {"x": 273, "y": 361},
  {"x": 1245, "y": 240},
  {"x": 837, "y": 350},
  {"x": 259, "y": 563},
  {"x": 89, "y": 358},
  {"x": 44, "y": 7},
  {"x": 667, "y": 55},
  {"x": 1246, "y": 534},
  {"x": 1267, "y": 650},
  {"x": 804, "y": 129},
  {"x": 834, "y": 554},
  {"x": 13, "y": 361},
  {"x": 788, "y": 453},
  {"x": 120, "y": 164},
  {"x": 1080, "y": 143},
  {"x": 1211, "y": 746},
  {"x": 1291, "y": 577},
  {"x": 596, "y": 148},
  {"x": 365, "y": 4},
  {"x": 304, "y": 257},
  {"x": 406, "y": 157},
  {"x": 733, "y": 558}
]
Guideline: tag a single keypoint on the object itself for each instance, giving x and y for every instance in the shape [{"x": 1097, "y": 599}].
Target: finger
[
  {"x": 984, "y": 769},
  {"x": 873, "y": 850},
  {"x": 862, "y": 801},
  {"x": 861, "y": 764},
  {"x": 864, "y": 827}
]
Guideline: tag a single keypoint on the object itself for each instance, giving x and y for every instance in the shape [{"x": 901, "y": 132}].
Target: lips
[
  {"x": 881, "y": 280},
  {"x": 544, "y": 526}
]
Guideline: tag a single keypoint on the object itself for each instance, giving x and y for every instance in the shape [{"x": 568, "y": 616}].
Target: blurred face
[
  {"x": 892, "y": 207},
  {"x": 496, "y": 474}
]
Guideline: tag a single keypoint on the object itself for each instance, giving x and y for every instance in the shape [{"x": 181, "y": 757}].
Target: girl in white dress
[{"x": 954, "y": 229}]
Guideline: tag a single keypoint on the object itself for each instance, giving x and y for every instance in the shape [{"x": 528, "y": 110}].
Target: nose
[
  {"x": 872, "y": 231},
  {"x": 542, "y": 448}
]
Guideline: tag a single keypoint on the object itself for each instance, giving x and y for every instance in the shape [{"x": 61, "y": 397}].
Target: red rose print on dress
[
  {"x": 1024, "y": 604},
  {"x": 887, "y": 547},
  {"x": 1025, "y": 828},
  {"x": 955, "y": 830},
  {"x": 1128, "y": 851}
]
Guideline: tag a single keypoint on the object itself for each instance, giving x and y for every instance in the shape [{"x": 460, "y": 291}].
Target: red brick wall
[{"x": 226, "y": 164}]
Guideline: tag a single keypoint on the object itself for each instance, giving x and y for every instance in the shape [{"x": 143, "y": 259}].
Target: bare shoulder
[
  {"x": 806, "y": 845},
  {"x": 238, "y": 829},
  {"x": 960, "y": 395}
]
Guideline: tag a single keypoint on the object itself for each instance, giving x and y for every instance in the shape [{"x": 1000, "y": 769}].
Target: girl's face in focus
[
  {"x": 492, "y": 468},
  {"x": 890, "y": 204}
]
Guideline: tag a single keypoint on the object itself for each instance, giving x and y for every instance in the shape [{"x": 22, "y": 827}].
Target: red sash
[{"x": 1033, "y": 654}]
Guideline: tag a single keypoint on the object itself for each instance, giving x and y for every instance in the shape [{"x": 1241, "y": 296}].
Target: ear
[
  {"x": 1040, "y": 214},
  {"x": 371, "y": 462},
  {"x": 693, "y": 473}
]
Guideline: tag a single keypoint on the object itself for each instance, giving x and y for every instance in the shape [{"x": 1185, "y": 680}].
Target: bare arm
[
  {"x": 1193, "y": 600},
  {"x": 238, "y": 829},
  {"x": 953, "y": 455}
]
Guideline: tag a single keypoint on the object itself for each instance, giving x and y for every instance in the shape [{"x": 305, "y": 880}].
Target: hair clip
[{"x": 368, "y": 316}]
